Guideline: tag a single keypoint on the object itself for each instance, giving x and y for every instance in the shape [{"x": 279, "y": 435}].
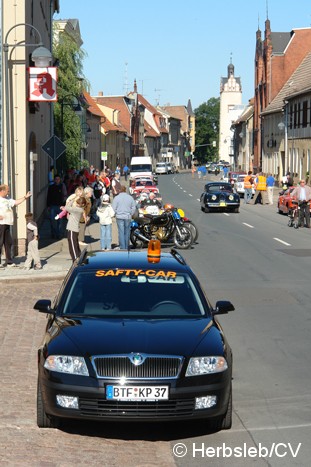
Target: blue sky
[{"x": 176, "y": 50}]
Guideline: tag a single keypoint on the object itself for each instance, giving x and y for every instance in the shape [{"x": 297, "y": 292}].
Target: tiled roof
[
  {"x": 149, "y": 131},
  {"x": 117, "y": 103},
  {"x": 93, "y": 107},
  {"x": 296, "y": 84}
]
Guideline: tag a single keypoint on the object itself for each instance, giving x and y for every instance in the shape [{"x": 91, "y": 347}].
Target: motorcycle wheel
[
  {"x": 184, "y": 240},
  {"x": 194, "y": 230},
  {"x": 136, "y": 242}
]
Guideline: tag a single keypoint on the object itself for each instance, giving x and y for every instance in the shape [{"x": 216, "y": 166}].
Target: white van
[{"x": 141, "y": 166}]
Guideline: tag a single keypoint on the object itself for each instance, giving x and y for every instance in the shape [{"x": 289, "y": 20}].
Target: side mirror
[
  {"x": 223, "y": 307},
  {"x": 44, "y": 306}
]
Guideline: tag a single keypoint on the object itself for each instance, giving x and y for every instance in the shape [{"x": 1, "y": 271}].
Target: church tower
[{"x": 230, "y": 109}]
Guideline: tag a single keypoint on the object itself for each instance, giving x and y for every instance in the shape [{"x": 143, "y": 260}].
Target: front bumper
[{"x": 93, "y": 404}]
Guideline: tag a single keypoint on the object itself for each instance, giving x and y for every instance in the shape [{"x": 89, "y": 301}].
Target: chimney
[
  {"x": 135, "y": 86},
  {"x": 100, "y": 94}
]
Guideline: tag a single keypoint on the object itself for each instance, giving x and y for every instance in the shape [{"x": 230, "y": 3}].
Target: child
[
  {"x": 32, "y": 244},
  {"x": 105, "y": 214},
  {"x": 79, "y": 191}
]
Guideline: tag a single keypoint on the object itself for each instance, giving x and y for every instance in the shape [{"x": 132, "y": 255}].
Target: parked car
[
  {"x": 219, "y": 196},
  {"x": 131, "y": 336},
  {"x": 161, "y": 168},
  {"x": 239, "y": 186}
]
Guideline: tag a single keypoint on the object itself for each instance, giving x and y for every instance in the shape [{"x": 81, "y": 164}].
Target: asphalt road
[
  {"x": 255, "y": 260},
  {"x": 239, "y": 257}
]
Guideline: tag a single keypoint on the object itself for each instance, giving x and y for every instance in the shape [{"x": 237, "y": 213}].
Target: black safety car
[
  {"x": 219, "y": 196},
  {"x": 132, "y": 336}
]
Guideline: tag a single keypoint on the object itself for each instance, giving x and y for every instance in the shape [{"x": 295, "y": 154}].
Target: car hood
[{"x": 117, "y": 336}]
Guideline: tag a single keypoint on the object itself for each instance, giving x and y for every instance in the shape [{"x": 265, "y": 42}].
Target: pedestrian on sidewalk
[
  {"x": 85, "y": 218},
  {"x": 105, "y": 214},
  {"x": 125, "y": 172},
  {"x": 124, "y": 207},
  {"x": 303, "y": 194},
  {"x": 248, "y": 187},
  {"x": 6, "y": 221},
  {"x": 73, "y": 225},
  {"x": 270, "y": 188},
  {"x": 32, "y": 238},
  {"x": 56, "y": 197},
  {"x": 115, "y": 184},
  {"x": 261, "y": 190}
]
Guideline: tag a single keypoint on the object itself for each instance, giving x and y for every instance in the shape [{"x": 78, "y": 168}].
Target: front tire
[
  {"x": 193, "y": 229},
  {"x": 184, "y": 239},
  {"x": 44, "y": 420}
]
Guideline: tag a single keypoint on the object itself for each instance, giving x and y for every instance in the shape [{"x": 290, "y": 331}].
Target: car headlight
[
  {"x": 206, "y": 365},
  {"x": 214, "y": 197},
  {"x": 66, "y": 364},
  {"x": 231, "y": 197}
]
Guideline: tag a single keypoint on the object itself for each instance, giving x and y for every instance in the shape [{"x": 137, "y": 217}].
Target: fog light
[
  {"x": 67, "y": 402},
  {"x": 205, "y": 402}
]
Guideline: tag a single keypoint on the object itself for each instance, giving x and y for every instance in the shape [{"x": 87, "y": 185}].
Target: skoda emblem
[{"x": 137, "y": 359}]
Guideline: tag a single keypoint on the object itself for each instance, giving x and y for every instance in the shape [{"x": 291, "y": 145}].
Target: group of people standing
[
  {"x": 264, "y": 187},
  {"x": 103, "y": 198}
]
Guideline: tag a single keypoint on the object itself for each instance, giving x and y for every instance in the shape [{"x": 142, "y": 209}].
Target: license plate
[
  {"x": 137, "y": 393},
  {"x": 222, "y": 203}
]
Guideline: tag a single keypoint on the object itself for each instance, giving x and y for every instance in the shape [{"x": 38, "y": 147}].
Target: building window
[{"x": 304, "y": 114}]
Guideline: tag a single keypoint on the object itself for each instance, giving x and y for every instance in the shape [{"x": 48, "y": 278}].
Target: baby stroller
[{"x": 293, "y": 215}]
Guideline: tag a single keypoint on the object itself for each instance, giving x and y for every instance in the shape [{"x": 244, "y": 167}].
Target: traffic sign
[{"x": 54, "y": 147}]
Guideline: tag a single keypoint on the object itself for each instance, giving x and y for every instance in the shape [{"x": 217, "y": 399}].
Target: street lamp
[{"x": 42, "y": 58}]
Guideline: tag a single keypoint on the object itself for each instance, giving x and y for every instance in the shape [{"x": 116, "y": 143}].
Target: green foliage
[
  {"x": 207, "y": 130},
  {"x": 67, "y": 123}
]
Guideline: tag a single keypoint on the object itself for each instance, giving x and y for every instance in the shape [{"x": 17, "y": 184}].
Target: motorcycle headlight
[
  {"x": 231, "y": 197},
  {"x": 214, "y": 197},
  {"x": 66, "y": 364},
  {"x": 205, "y": 365}
]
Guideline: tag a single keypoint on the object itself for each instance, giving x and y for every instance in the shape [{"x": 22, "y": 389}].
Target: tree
[
  {"x": 67, "y": 123},
  {"x": 207, "y": 130}
]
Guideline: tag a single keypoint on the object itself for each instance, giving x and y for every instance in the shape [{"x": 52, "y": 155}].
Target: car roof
[
  {"x": 132, "y": 259},
  {"x": 217, "y": 183}
]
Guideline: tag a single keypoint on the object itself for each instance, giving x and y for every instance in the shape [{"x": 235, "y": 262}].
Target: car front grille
[
  {"x": 100, "y": 408},
  {"x": 152, "y": 367}
]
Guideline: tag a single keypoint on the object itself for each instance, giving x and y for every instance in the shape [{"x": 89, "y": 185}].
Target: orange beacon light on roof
[{"x": 154, "y": 251}]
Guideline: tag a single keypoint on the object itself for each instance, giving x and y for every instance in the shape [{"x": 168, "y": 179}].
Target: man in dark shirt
[{"x": 56, "y": 198}]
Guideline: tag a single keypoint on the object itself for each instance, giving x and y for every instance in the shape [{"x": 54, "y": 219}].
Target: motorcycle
[{"x": 165, "y": 227}]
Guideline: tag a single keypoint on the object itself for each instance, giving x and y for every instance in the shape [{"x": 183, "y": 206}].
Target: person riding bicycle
[{"x": 302, "y": 194}]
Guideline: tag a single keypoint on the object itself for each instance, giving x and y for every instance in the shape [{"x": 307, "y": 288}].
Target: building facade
[
  {"x": 230, "y": 108},
  {"x": 25, "y": 126}
]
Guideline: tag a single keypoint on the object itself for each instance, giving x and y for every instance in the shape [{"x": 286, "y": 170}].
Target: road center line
[
  {"x": 248, "y": 225},
  {"x": 190, "y": 194},
  {"x": 281, "y": 241}
]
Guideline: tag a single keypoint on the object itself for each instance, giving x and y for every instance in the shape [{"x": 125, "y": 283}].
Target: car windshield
[
  {"x": 123, "y": 293},
  {"x": 220, "y": 187}
]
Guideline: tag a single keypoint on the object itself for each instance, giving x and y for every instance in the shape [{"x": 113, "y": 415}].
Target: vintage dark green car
[{"x": 219, "y": 196}]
